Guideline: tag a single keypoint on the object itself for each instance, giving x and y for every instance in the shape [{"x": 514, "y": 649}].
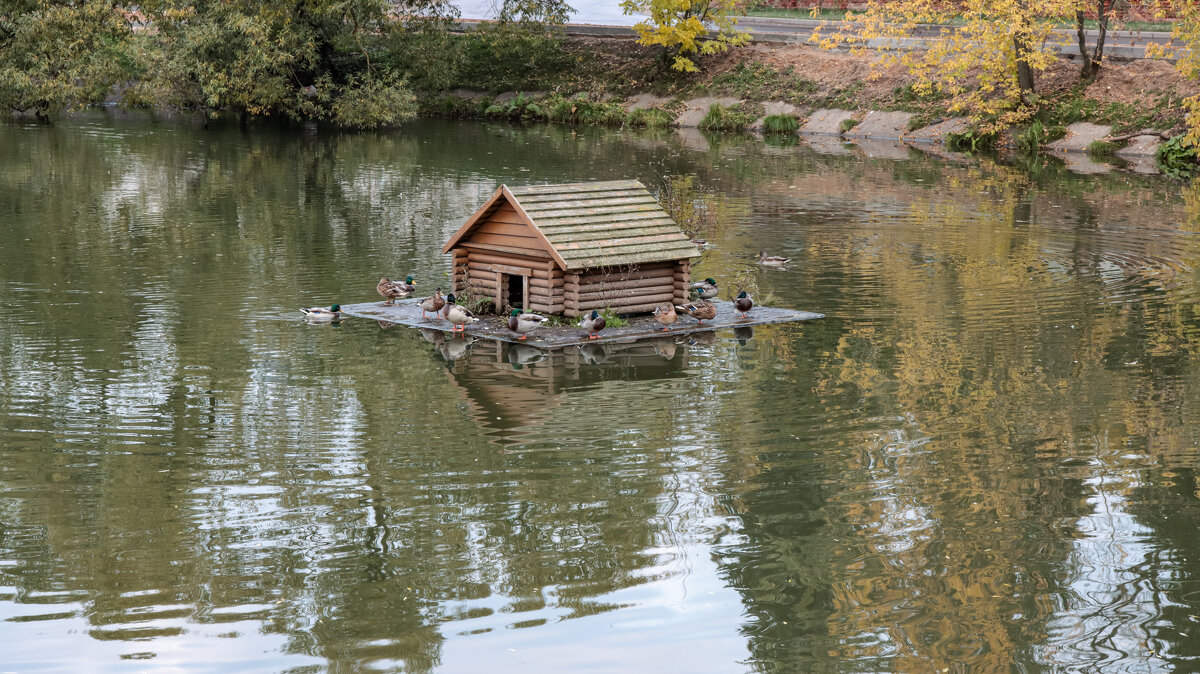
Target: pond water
[{"x": 984, "y": 459}]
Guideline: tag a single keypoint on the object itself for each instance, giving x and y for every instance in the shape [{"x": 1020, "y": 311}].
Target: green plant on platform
[
  {"x": 1102, "y": 148},
  {"x": 1178, "y": 157},
  {"x": 780, "y": 124},
  {"x": 612, "y": 319},
  {"x": 728, "y": 119},
  {"x": 847, "y": 124}
]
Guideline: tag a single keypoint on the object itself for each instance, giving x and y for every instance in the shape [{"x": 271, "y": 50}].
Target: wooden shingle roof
[{"x": 600, "y": 224}]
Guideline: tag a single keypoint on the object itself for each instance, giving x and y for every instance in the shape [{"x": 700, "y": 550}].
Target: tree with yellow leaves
[
  {"x": 682, "y": 28},
  {"x": 1187, "y": 32},
  {"x": 987, "y": 66}
]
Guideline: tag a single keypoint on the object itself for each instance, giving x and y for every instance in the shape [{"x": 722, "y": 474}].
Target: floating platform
[{"x": 408, "y": 312}]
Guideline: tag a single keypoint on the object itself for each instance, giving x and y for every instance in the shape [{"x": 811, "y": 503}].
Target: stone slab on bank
[
  {"x": 878, "y": 125},
  {"x": 1141, "y": 146},
  {"x": 408, "y": 312},
  {"x": 1079, "y": 136},
  {"x": 826, "y": 122},
  {"x": 937, "y": 132}
]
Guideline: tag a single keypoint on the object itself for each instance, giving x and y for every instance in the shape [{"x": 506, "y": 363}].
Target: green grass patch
[
  {"x": 780, "y": 124},
  {"x": 650, "y": 118},
  {"x": 848, "y": 124},
  {"x": 1102, "y": 148},
  {"x": 731, "y": 119}
]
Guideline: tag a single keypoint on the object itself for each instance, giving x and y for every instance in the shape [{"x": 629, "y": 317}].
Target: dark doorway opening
[{"x": 516, "y": 291}]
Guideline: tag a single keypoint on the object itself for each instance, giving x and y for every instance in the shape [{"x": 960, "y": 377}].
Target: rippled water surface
[{"x": 984, "y": 459}]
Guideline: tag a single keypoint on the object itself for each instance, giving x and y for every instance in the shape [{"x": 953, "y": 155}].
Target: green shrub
[
  {"x": 519, "y": 108},
  {"x": 1102, "y": 148},
  {"x": 970, "y": 141},
  {"x": 780, "y": 124},
  {"x": 721, "y": 118},
  {"x": 848, "y": 124},
  {"x": 579, "y": 110},
  {"x": 1178, "y": 158}
]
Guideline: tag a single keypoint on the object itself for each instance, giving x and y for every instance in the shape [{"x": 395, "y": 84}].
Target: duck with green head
[
  {"x": 394, "y": 290},
  {"x": 524, "y": 323},
  {"x": 705, "y": 290},
  {"x": 743, "y": 303},
  {"x": 333, "y": 313},
  {"x": 593, "y": 323}
]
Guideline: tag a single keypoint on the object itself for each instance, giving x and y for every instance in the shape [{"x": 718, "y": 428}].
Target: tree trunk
[
  {"x": 1088, "y": 68},
  {"x": 1024, "y": 72},
  {"x": 1102, "y": 23}
]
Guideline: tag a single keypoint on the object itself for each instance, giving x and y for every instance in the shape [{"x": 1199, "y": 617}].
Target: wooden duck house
[{"x": 569, "y": 249}]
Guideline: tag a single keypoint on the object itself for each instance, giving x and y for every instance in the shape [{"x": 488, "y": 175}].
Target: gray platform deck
[{"x": 407, "y": 312}]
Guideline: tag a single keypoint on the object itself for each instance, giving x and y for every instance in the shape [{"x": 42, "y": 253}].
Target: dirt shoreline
[{"x": 847, "y": 95}]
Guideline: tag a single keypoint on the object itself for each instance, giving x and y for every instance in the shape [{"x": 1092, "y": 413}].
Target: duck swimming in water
[
  {"x": 333, "y": 313},
  {"x": 772, "y": 260}
]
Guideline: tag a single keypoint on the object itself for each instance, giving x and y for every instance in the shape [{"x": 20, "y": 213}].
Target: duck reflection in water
[
  {"x": 520, "y": 355},
  {"x": 743, "y": 334}
]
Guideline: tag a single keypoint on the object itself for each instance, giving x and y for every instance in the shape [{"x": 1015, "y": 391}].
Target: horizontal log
[
  {"x": 627, "y": 308},
  {"x": 626, "y": 295},
  {"x": 664, "y": 272},
  {"x": 493, "y": 249},
  {"x": 490, "y": 270},
  {"x": 507, "y": 229},
  {"x": 622, "y": 302},
  {"x": 663, "y": 282},
  {"x": 483, "y": 258},
  {"x": 529, "y": 243},
  {"x": 546, "y": 308}
]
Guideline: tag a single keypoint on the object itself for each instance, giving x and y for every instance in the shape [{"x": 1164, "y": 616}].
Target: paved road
[{"x": 607, "y": 13}]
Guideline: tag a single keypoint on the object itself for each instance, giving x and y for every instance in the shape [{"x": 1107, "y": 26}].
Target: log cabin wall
[{"x": 626, "y": 290}]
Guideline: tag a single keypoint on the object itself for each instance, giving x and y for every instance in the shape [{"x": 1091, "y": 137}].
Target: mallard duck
[
  {"x": 701, "y": 311},
  {"x": 394, "y": 290},
  {"x": 523, "y": 323},
  {"x": 457, "y": 315},
  {"x": 771, "y": 260},
  {"x": 333, "y": 313},
  {"x": 593, "y": 323},
  {"x": 665, "y": 314},
  {"x": 433, "y": 303},
  {"x": 743, "y": 303},
  {"x": 705, "y": 290}
]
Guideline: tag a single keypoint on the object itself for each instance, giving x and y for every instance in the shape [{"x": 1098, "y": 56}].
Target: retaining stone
[
  {"x": 826, "y": 122},
  {"x": 882, "y": 126},
  {"x": 937, "y": 132},
  {"x": 1079, "y": 136}
]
